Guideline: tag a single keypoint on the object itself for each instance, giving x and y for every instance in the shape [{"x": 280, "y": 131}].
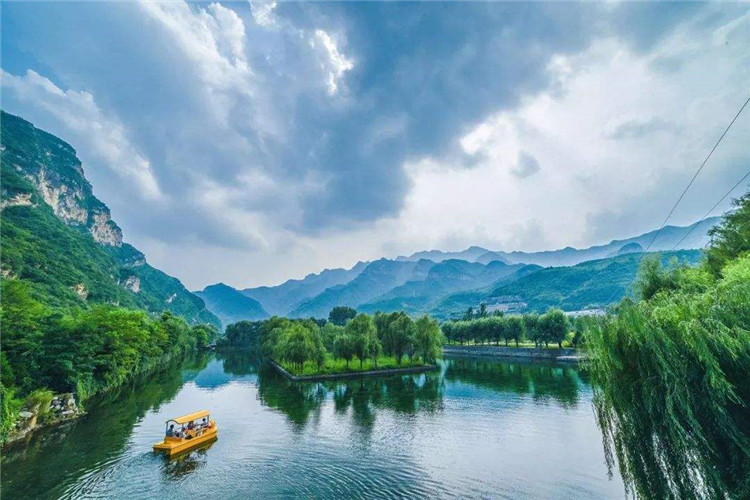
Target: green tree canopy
[
  {"x": 428, "y": 339},
  {"x": 339, "y": 315}
]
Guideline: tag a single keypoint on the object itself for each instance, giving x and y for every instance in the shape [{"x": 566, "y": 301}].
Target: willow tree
[{"x": 671, "y": 379}]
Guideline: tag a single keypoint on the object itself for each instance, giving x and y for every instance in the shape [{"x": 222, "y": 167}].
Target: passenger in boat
[
  {"x": 205, "y": 423},
  {"x": 171, "y": 431}
]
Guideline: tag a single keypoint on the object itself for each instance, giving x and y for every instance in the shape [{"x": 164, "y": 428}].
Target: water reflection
[
  {"x": 559, "y": 383},
  {"x": 301, "y": 401},
  {"x": 99, "y": 437},
  {"x": 181, "y": 466},
  {"x": 464, "y": 429}
]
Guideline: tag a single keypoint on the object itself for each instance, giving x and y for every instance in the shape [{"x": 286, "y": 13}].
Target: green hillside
[
  {"x": 592, "y": 284},
  {"x": 377, "y": 278},
  {"x": 59, "y": 237},
  {"x": 446, "y": 277},
  {"x": 230, "y": 305}
]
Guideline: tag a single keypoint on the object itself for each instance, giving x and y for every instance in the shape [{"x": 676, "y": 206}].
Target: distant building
[{"x": 586, "y": 312}]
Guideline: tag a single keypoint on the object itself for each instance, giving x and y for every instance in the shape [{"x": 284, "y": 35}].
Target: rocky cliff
[{"x": 58, "y": 236}]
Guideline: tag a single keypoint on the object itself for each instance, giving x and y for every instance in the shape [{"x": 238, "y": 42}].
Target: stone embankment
[
  {"x": 515, "y": 352},
  {"x": 62, "y": 408}
]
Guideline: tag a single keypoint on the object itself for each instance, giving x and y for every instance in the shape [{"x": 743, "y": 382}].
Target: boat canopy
[{"x": 190, "y": 417}]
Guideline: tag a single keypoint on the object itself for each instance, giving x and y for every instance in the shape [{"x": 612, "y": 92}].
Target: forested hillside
[
  {"x": 593, "y": 284},
  {"x": 81, "y": 311},
  {"x": 231, "y": 305},
  {"x": 59, "y": 237}
]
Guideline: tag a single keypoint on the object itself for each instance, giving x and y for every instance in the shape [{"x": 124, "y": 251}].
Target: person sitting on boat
[
  {"x": 171, "y": 431},
  {"x": 205, "y": 423}
]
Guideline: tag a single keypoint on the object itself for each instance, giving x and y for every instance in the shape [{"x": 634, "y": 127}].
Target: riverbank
[
  {"x": 564, "y": 354},
  {"x": 59, "y": 409},
  {"x": 350, "y": 375}
]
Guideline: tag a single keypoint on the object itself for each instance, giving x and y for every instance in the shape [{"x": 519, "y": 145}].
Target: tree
[
  {"x": 449, "y": 330},
  {"x": 329, "y": 334},
  {"x": 244, "y": 334},
  {"x": 428, "y": 338},
  {"x": 399, "y": 337},
  {"x": 21, "y": 318},
  {"x": 482, "y": 313},
  {"x": 339, "y": 315},
  {"x": 514, "y": 329},
  {"x": 204, "y": 334},
  {"x": 469, "y": 315},
  {"x": 731, "y": 237},
  {"x": 364, "y": 337},
  {"x": 343, "y": 348},
  {"x": 533, "y": 331},
  {"x": 297, "y": 345},
  {"x": 554, "y": 326}
]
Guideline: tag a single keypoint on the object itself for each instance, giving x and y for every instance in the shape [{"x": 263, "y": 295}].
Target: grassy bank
[{"x": 333, "y": 366}]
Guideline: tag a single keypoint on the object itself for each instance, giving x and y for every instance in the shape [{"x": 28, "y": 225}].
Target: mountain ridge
[{"x": 61, "y": 239}]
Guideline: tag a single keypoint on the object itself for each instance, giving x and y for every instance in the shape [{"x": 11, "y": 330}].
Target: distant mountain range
[
  {"x": 447, "y": 283},
  {"x": 231, "y": 305}
]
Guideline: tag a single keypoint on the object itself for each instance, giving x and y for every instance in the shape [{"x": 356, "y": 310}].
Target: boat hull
[{"x": 172, "y": 446}]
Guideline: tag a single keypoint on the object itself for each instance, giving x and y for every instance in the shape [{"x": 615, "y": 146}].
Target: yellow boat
[{"x": 188, "y": 432}]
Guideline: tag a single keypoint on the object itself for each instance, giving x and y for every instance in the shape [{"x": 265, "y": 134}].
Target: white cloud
[
  {"x": 263, "y": 13},
  {"x": 335, "y": 63},
  {"x": 667, "y": 122},
  {"x": 104, "y": 136}
]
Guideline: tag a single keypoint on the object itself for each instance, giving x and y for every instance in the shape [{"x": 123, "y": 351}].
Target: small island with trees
[{"x": 347, "y": 344}]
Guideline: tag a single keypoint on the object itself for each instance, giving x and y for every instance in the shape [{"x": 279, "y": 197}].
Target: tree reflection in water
[
  {"x": 301, "y": 400},
  {"x": 542, "y": 381},
  {"x": 100, "y": 436}
]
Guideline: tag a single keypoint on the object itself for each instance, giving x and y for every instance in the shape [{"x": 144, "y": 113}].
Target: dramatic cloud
[
  {"x": 105, "y": 137},
  {"x": 252, "y": 142}
]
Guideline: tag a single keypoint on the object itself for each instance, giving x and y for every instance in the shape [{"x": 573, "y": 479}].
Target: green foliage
[
  {"x": 364, "y": 338},
  {"x": 39, "y": 401},
  {"x": 398, "y": 336},
  {"x": 61, "y": 262},
  {"x": 339, "y": 315},
  {"x": 204, "y": 335},
  {"x": 428, "y": 339},
  {"x": 242, "y": 335},
  {"x": 671, "y": 376},
  {"x": 343, "y": 348},
  {"x": 514, "y": 330},
  {"x": 336, "y": 365},
  {"x": 554, "y": 326},
  {"x": 299, "y": 344},
  {"x": 10, "y": 405},
  {"x": 592, "y": 284},
  {"x": 328, "y": 333},
  {"x": 731, "y": 237},
  {"x": 85, "y": 350}
]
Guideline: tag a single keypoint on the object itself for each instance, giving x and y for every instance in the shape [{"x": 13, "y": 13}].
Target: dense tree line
[
  {"x": 85, "y": 351},
  {"x": 361, "y": 337},
  {"x": 670, "y": 373},
  {"x": 542, "y": 329}
]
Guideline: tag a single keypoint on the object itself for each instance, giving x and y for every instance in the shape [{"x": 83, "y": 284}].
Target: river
[{"x": 475, "y": 429}]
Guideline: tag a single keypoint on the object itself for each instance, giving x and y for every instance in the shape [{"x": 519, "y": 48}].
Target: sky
[{"x": 253, "y": 142}]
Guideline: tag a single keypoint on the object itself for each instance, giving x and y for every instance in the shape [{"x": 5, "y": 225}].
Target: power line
[
  {"x": 696, "y": 174},
  {"x": 711, "y": 210}
]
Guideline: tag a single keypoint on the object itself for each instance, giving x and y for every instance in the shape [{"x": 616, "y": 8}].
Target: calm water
[{"x": 478, "y": 428}]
